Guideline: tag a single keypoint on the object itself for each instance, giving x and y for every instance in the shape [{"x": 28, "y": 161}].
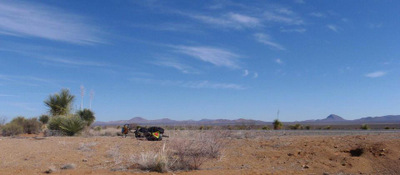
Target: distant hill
[
  {"x": 331, "y": 119},
  {"x": 166, "y": 121},
  {"x": 335, "y": 119},
  {"x": 383, "y": 119}
]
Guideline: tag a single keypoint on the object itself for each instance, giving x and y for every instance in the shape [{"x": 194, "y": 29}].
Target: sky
[{"x": 190, "y": 60}]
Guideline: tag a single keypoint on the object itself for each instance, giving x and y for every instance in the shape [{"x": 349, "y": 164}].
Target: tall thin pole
[
  {"x": 82, "y": 94},
  {"x": 91, "y": 98},
  {"x": 277, "y": 115}
]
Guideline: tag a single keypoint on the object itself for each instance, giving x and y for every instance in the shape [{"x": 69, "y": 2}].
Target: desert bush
[
  {"x": 387, "y": 127},
  {"x": 18, "y": 120},
  {"x": 265, "y": 128},
  {"x": 72, "y": 125},
  {"x": 296, "y": 127},
  {"x": 190, "y": 154},
  {"x": 55, "y": 122},
  {"x": 11, "y": 129},
  {"x": 44, "y": 119},
  {"x": 31, "y": 126},
  {"x": 97, "y": 128},
  {"x": 154, "y": 161},
  {"x": 86, "y": 115},
  {"x": 365, "y": 127},
  {"x": 277, "y": 124},
  {"x": 328, "y": 128},
  {"x": 308, "y": 127}
]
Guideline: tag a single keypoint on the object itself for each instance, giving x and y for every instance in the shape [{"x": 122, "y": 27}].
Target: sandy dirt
[{"x": 287, "y": 154}]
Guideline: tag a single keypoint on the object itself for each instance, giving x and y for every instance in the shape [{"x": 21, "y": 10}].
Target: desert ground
[{"x": 242, "y": 152}]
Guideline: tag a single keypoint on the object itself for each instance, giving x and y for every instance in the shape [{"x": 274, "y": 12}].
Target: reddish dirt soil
[{"x": 356, "y": 154}]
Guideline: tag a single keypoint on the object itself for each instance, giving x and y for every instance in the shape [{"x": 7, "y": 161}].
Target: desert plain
[{"x": 242, "y": 152}]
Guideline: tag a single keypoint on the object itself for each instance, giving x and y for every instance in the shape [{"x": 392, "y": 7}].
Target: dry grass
[
  {"x": 87, "y": 146},
  {"x": 103, "y": 132},
  {"x": 152, "y": 161},
  {"x": 185, "y": 151}
]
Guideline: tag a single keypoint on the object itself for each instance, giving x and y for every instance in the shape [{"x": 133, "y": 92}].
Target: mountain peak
[{"x": 334, "y": 117}]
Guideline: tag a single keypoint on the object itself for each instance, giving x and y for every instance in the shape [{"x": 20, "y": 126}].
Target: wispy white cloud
[
  {"x": 74, "y": 62},
  {"x": 190, "y": 84},
  {"x": 375, "y": 25},
  {"x": 24, "y": 106},
  {"x": 333, "y": 27},
  {"x": 215, "y": 56},
  {"x": 298, "y": 30},
  {"x": 245, "y": 73},
  {"x": 172, "y": 63},
  {"x": 32, "y": 20},
  {"x": 317, "y": 14},
  {"x": 278, "y": 61},
  {"x": 280, "y": 17},
  {"x": 265, "y": 39},
  {"x": 26, "y": 80},
  {"x": 255, "y": 75},
  {"x": 375, "y": 74},
  {"x": 229, "y": 20},
  {"x": 285, "y": 11}
]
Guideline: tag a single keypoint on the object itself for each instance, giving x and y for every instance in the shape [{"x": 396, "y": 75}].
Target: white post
[
  {"x": 91, "y": 98},
  {"x": 82, "y": 94}
]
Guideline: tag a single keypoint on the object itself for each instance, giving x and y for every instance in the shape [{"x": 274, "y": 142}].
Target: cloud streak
[
  {"x": 31, "y": 20},
  {"x": 190, "y": 84},
  {"x": 265, "y": 39},
  {"x": 176, "y": 65},
  {"x": 333, "y": 27},
  {"x": 375, "y": 74},
  {"x": 73, "y": 62},
  {"x": 279, "y": 61},
  {"x": 213, "y": 55},
  {"x": 230, "y": 20}
]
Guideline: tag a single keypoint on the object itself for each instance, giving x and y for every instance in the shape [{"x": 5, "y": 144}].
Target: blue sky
[{"x": 203, "y": 59}]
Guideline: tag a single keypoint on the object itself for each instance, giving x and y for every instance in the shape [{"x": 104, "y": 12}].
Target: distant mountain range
[{"x": 331, "y": 119}]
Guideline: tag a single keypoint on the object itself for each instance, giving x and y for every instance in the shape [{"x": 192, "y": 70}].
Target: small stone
[
  {"x": 382, "y": 154},
  {"x": 335, "y": 146},
  {"x": 290, "y": 154},
  {"x": 305, "y": 166},
  {"x": 325, "y": 173},
  {"x": 68, "y": 166},
  {"x": 84, "y": 160},
  {"x": 50, "y": 170}
]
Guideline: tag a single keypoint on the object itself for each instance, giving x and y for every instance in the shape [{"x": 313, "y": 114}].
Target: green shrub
[
  {"x": 265, "y": 128},
  {"x": 11, "y": 129},
  {"x": 44, "y": 119},
  {"x": 86, "y": 115},
  {"x": 18, "y": 120},
  {"x": 97, "y": 128},
  {"x": 387, "y": 127},
  {"x": 72, "y": 125},
  {"x": 328, "y": 128},
  {"x": 31, "y": 126},
  {"x": 365, "y": 127},
  {"x": 296, "y": 127},
  {"x": 308, "y": 127},
  {"x": 55, "y": 122},
  {"x": 277, "y": 124}
]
